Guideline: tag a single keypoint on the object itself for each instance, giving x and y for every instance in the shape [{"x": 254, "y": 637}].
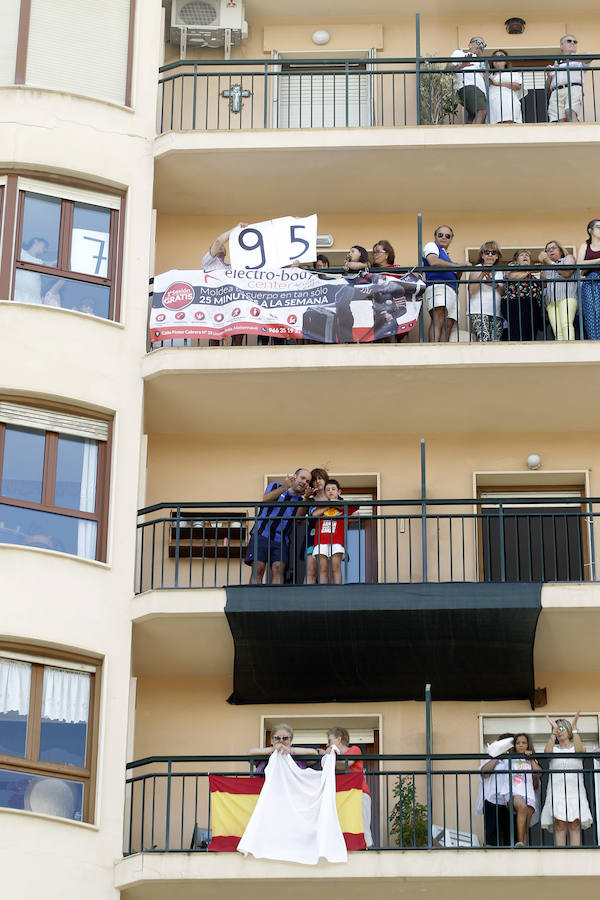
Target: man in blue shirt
[{"x": 269, "y": 540}]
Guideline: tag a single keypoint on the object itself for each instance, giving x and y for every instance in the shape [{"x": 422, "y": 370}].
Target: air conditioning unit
[{"x": 208, "y": 23}]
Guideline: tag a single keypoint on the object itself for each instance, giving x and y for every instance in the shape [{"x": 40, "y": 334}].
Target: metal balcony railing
[
  {"x": 418, "y": 801},
  {"x": 507, "y": 302},
  {"x": 241, "y": 94},
  {"x": 516, "y": 539}
]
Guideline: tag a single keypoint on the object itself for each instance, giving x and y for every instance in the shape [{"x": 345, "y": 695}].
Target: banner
[
  {"x": 232, "y": 802},
  {"x": 284, "y": 303}
]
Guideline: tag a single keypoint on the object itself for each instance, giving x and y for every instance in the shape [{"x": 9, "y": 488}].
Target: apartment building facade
[{"x": 135, "y": 657}]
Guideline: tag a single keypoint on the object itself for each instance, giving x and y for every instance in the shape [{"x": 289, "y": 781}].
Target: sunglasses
[
  {"x": 282, "y": 737},
  {"x": 443, "y": 235},
  {"x": 490, "y": 253},
  {"x": 479, "y": 43}
]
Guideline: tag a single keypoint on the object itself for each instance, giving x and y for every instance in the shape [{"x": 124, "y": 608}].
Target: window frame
[
  {"x": 61, "y": 270},
  {"x": 100, "y": 514},
  {"x": 30, "y": 763}
]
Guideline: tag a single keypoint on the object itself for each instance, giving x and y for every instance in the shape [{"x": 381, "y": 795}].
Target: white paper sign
[
  {"x": 274, "y": 244},
  {"x": 89, "y": 252}
]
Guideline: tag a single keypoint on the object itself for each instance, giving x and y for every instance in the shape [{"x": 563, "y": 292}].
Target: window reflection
[
  {"x": 15, "y": 687},
  {"x": 23, "y": 463},
  {"x": 41, "y": 229},
  {"x": 50, "y": 531},
  {"x": 76, "y": 466},
  {"x": 41, "y": 794},
  {"x": 66, "y": 293}
]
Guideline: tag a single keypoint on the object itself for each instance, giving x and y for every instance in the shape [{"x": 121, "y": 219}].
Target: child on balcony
[{"x": 330, "y": 533}]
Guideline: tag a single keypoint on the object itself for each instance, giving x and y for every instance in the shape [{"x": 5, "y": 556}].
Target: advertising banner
[{"x": 284, "y": 303}]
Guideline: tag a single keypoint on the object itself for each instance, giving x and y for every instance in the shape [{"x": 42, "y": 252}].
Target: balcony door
[
  {"x": 314, "y": 94},
  {"x": 533, "y": 542}
]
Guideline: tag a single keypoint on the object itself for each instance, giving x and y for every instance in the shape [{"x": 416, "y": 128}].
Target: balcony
[
  {"x": 423, "y": 808},
  {"x": 183, "y": 546},
  {"x": 325, "y": 122}
]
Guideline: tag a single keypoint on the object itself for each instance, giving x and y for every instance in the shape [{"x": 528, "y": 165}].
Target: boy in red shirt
[{"x": 330, "y": 533}]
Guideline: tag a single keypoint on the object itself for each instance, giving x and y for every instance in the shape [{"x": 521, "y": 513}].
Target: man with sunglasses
[
  {"x": 470, "y": 81},
  {"x": 564, "y": 83}
]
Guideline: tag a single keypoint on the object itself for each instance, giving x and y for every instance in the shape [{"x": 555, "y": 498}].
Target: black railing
[
  {"x": 168, "y": 805},
  {"x": 240, "y": 94},
  {"x": 510, "y": 302},
  {"x": 517, "y": 539}
]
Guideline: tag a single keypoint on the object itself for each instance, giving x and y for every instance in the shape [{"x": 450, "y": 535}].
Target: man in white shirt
[
  {"x": 470, "y": 80},
  {"x": 564, "y": 83}
]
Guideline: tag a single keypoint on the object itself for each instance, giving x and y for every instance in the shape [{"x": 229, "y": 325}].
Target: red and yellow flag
[{"x": 233, "y": 800}]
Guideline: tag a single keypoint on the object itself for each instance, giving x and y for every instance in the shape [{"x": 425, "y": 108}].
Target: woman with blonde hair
[
  {"x": 485, "y": 294},
  {"x": 566, "y": 805}
]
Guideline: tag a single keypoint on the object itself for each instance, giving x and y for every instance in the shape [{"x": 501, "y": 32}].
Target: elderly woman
[
  {"x": 566, "y": 805},
  {"x": 522, "y": 303},
  {"x": 560, "y": 293},
  {"x": 282, "y": 742},
  {"x": 485, "y": 295},
  {"x": 339, "y": 737}
]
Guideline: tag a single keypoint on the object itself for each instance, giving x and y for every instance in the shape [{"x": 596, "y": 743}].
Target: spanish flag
[{"x": 233, "y": 800}]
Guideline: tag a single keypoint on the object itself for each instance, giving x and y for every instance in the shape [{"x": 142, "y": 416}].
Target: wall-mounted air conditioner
[{"x": 208, "y": 23}]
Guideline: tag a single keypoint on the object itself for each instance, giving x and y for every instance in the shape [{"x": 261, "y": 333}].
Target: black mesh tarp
[{"x": 300, "y": 644}]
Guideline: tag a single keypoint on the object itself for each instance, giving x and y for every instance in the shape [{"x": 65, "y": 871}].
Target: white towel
[{"x": 295, "y": 818}]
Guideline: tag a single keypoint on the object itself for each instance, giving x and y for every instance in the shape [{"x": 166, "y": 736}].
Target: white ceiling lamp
[
  {"x": 534, "y": 461},
  {"x": 320, "y": 36}
]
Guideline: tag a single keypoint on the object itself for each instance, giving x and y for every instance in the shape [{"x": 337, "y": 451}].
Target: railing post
[
  {"x": 418, "y": 64},
  {"x": 420, "y": 263},
  {"x": 177, "y": 542},
  {"x": 502, "y": 548},
  {"x": 347, "y": 79},
  {"x": 428, "y": 764},
  {"x": 266, "y": 97},
  {"x": 195, "y": 76},
  {"x": 592, "y": 548},
  {"x": 168, "y": 810},
  {"x": 423, "y": 512}
]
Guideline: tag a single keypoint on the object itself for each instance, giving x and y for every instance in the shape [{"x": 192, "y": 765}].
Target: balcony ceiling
[
  {"x": 383, "y": 389},
  {"x": 270, "y": 173}
]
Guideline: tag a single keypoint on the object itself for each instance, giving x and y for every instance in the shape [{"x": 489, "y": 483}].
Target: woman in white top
[
  {"x": 485, "y": 290},
  {"x": 524, "y": 787},
  {"x": 566, "y": 803},
  {"x": 505, "y": 88}
]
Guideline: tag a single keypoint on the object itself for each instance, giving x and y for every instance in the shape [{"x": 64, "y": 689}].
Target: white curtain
[
  {"x": 15, "y": 681},
  {"x": 66, "y": 696},
  {"x": 86, "y": 532}
]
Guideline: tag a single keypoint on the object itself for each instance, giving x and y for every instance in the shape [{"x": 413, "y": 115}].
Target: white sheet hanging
[
  {"x": 15, "y": 682},
  {"x": 295, "y": 818}
]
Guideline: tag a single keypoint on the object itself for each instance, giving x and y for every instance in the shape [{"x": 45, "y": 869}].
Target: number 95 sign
[{"x": 274, "y": 244}]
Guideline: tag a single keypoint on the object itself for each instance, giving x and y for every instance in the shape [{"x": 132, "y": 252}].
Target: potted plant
[
  {"x": 408, "y": 819},
  {"x": 438, "y": 97}
]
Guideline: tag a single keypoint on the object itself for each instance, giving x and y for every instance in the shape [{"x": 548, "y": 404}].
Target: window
[
  {"x": 545, "y": 542},
  {"x": 48, "y": 733},
  {"x": 317, "y": 95},
  {"x": 66, "y": 252},
  {"x": 53, "y": 480}
]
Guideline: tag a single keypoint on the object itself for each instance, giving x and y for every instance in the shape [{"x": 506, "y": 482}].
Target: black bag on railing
[{"x": 320, "y": 324}]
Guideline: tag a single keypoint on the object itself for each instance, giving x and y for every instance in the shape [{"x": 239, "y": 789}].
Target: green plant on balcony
[
  {"x": 438, "y": 97},
  {"x": 408, "y": 819}
]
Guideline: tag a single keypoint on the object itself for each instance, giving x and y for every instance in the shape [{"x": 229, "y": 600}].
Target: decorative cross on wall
[{"x": 235, "y": 94}]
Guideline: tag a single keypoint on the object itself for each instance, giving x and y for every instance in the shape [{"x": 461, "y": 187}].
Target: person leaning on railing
[
  {"x": 485, "y": 295},
  {"x": 587, "y": 255},
  {"x": 282, "y": 742},
  {"x": 560, "y": 293},
  {"x": 470, "y": 82},
  {"x": 215, "y": 259},
  {"x": 566, "y": 805},
  {"x": 441, "y": 293},
  {"x": 339, "y": 737},
  {"x": 505, "y": 88}
]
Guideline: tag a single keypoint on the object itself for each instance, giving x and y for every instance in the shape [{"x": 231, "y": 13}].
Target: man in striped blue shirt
[{"x": 269, "y": 540}]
